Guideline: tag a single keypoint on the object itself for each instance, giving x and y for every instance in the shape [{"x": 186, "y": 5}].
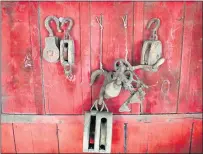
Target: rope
[
  {"x": 125, "y": 24},
  {"x": 100, "y": 22}
]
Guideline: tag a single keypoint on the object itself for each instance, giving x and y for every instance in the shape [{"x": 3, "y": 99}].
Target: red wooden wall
[{"x": 55, "y": 106}]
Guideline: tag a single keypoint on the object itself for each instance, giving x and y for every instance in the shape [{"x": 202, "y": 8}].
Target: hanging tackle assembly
[
  {"x": 97, "y": 136},
  {"x": 65, "y": 52}
]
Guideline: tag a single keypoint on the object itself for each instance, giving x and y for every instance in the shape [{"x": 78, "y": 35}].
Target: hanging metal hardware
[
  {"x": 67, "y": 50},
  {"x": 51, "y": 50},
  {"x": 66, "y": 54},
  {"x": 151, "y": 57},
  {"x": 97, "y": 135},
  {"x": 123, "y": 77}
]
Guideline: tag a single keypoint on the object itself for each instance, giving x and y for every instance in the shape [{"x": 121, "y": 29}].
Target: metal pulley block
[
  {"x": 67, "y": 49},
  {"x": 97, "y": 135},
  {"x": 51, "y": 50},
  {"x": 151, "y": 57}
]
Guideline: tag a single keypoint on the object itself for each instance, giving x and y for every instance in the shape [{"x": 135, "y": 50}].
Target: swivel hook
[
  {"x": 47, "y": 26},
  {"x": 154, "y": 35}
]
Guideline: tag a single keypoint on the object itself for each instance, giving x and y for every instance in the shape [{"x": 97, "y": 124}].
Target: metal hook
[
  {"x": 155, "y": 29},
  {"x": 154, "y": 20},
  {"x": 47, "y": 26},
  {"x": 65, "y": 20},
  {"x": 125, "y": 20}
]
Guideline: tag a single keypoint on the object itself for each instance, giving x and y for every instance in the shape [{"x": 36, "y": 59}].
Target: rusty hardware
[
  {"x": 123, "y": 77},
  {"x": 51, "y": 50},
  {"x": 151, "y": 57},
  {"x": 56, "y": 49},
  {"x": 67, "y": 50},
  {"x": 97, "y": 135}
]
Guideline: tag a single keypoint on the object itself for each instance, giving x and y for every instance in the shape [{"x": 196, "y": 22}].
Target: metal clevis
[{"x": 56, "y": 49}]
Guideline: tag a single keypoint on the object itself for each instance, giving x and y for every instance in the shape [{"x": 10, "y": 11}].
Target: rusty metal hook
[
  {"x": 155, "y": 29},
  {"x": 65, "y": 20},
  {"x": 47, "y": 26}
]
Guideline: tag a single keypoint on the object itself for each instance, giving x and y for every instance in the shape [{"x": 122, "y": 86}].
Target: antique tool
[
  {"x": 67, "y": 50},
  {"x": 51, "y": 50},
  {"x": 151, "y": 57},
  {"x": 97, "y": 135},
  {"x": 122, "y": 77}
]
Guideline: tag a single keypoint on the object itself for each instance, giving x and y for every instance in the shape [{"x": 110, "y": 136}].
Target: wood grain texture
[
  {"x": 162, "y": 95},
  {"x": 85, "y": 54},
  {"x": 7, "y": 139},
  {"x": 61, "y": 95},
  {"x": 190, "y": 92},
  {"x": 171, "y": 137},
  {"x": 117, "y": 145},
  {"x": 152, "y": 134},
  {"x": 137, "y": 46},
  {"x": 21, "y": 68},
  {"x": 23, "y": 138},
  {"x": 197, "y": 137},
  {"x": 137, "y": 136},
  {"x": 70, "y": 135},
  {"x": 113, "y": 43},
  {"x": 36, "y": 138}
]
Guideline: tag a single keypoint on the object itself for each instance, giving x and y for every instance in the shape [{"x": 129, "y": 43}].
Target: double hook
[
  {"x": 57, "y": 21},
  {"x": 156, "y": 21}
]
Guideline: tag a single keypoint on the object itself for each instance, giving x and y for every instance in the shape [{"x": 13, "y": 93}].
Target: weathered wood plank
[
  {"x": 190, "y": 93},
  {"x": 7, "y": 139},
  {"x": 70, "y": 135},
  {"x": 171, "y": 137},
  {"x": 138, "y": 40},
  {"x": 61, "y": 95},
  {"x": 21, "y": 79},
  {"x": 113, "y": 42},
  {"x": 36, "y": 56},
  {"x": 63, "y": 118},
  {"x": 197, "y": 137},
  {"x": 118, "y": 135},
  {"x": 137, "y": 137},
  {"x": 162, "y": 95},
  {"x": 23, "y": 138},
  {"x": 85, "y": 54},
  {"x": 145, "y": 133},
  {"x": 36, "y": 138}
]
